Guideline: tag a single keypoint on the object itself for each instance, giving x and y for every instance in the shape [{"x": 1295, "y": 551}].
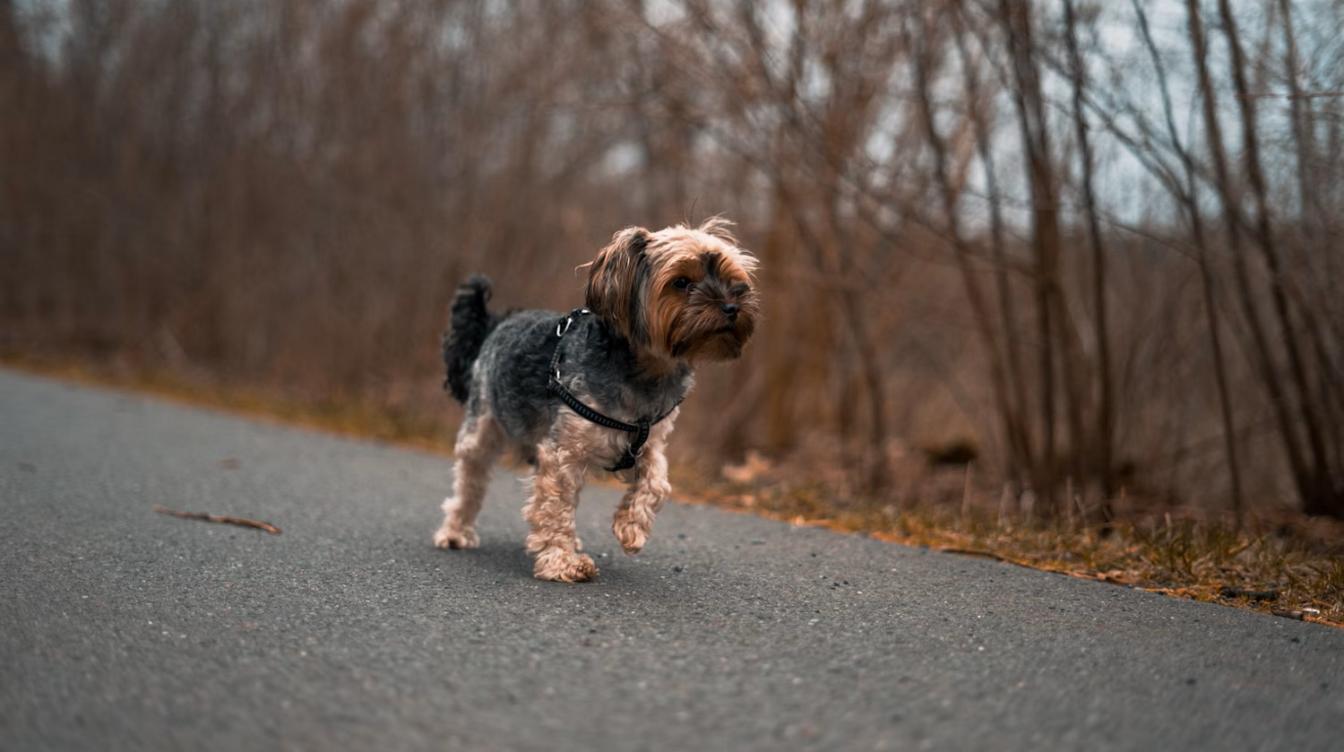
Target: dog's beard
[{"x": 708, "y": 335}]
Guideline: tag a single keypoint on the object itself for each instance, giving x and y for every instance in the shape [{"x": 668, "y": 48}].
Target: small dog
[{"x": 597, "y": 388}]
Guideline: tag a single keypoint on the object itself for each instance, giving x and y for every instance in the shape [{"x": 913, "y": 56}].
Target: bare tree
[
  {"x": 1106, "y": 401},
  {"x": 283, "y": 196}
]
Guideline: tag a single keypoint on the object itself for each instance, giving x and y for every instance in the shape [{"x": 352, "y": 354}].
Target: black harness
[{"x": 640, "y": 428}]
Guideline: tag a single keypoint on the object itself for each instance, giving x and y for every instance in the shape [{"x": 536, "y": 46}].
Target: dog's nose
[{"x": 730, "y": 310}]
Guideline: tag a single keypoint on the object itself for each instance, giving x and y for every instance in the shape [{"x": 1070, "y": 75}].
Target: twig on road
[
  {"x": 974, "y": 552},
  {"x": 220, "y": 518},
  {"x": 1255, "y": 595}
]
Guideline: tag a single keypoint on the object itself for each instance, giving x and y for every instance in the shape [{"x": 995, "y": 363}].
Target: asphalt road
[{"x": 124, "y": 629}]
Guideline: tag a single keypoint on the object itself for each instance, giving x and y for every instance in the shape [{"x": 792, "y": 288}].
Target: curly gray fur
[{"x": 509, "y": 377}]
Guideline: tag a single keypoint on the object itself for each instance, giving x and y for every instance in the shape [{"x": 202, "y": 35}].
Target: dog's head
[{"x": 678, "y": 294}]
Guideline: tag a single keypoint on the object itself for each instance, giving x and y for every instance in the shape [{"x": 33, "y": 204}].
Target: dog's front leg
[
  {"x": 550, "y": 512},
  {"x": 644, "y": 497}
]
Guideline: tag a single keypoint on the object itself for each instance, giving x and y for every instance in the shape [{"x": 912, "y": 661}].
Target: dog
[{"x": 599, "y": 388}]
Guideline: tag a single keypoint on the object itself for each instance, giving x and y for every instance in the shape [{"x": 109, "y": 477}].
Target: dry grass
[{"x": 1283, "y": 563}]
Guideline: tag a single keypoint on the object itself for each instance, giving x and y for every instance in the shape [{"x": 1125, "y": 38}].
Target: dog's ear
[{"x": 614, "y": 280}]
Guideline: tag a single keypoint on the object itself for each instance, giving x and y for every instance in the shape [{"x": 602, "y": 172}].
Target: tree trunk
[
  {"x": 1105, "y": 436},
  {"x": 1190, "y": 205},
  {"x": 1321, "y": 493},
  {"x": 1017, "y": 20}
]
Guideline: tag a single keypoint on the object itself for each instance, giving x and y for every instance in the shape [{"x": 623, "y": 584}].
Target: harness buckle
[{"x": 568, "y": 321}]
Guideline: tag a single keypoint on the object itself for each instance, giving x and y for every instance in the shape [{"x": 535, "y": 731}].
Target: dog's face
[{"x": 679, "y": 294}]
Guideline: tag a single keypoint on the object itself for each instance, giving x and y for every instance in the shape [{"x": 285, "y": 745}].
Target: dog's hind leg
[{"x": 479, "y": 443}]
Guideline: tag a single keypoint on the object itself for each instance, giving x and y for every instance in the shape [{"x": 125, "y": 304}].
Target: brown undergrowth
[{"x": 1281, "y": 562}]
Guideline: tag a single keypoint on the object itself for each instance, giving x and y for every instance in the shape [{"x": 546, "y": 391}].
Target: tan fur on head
[
  {"x": 680, "y": 293},
  {"x": 612, "y": 278}
]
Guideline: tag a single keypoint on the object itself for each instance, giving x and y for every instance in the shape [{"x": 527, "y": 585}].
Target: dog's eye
[
  {"x": 681, "y": 283},
  {"x": 741, "y": 288}
]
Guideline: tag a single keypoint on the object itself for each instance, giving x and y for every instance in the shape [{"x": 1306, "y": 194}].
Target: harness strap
[{"x": 640, "y": 429}]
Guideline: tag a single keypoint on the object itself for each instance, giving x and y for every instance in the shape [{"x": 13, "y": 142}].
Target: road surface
[{"x": 124, "y": 629}]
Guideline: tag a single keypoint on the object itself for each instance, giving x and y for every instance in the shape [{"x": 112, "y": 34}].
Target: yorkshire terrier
[{"x": 597, "y": 388}]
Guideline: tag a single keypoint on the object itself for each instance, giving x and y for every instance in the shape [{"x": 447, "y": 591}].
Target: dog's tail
[{"x": 471, "y": 324}]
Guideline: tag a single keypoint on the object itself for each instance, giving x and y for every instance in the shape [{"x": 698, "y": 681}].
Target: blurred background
[{"x": 1074, "y": 254}]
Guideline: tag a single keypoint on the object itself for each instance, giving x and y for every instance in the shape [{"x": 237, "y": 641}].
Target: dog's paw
[
  {"x": 451, "y": 536},
  {"x": 630, "y": 533},
  {"x": 559, "y": 565}
]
